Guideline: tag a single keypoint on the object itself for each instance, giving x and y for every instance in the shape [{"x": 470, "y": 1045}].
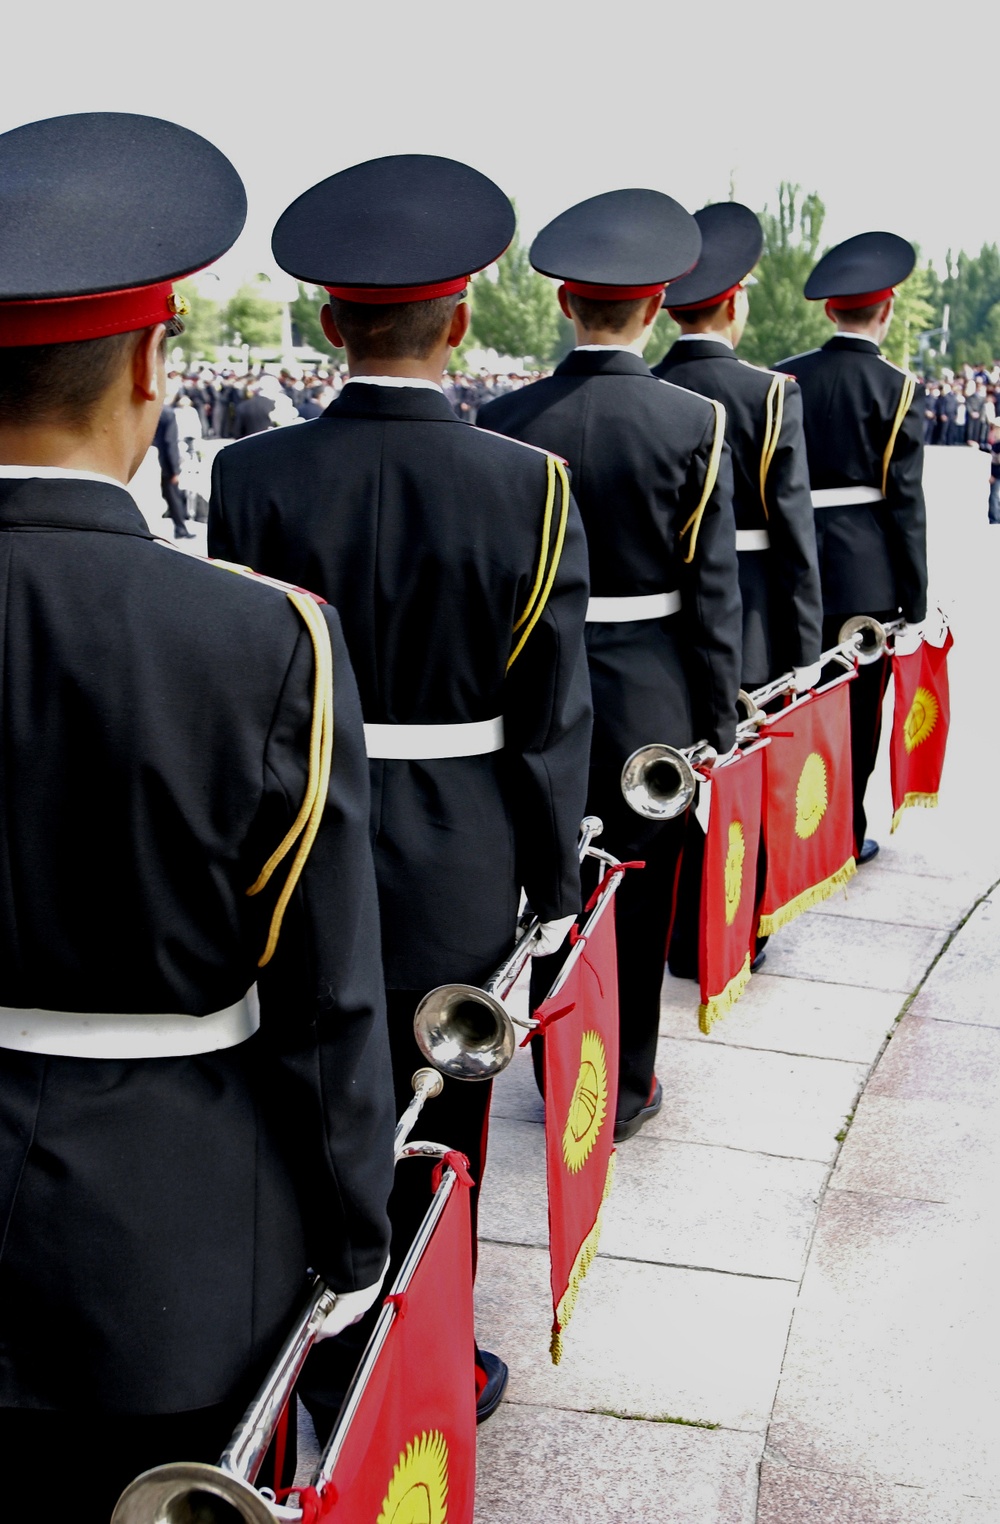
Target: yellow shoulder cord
[
  {"x": 711, "y": 475},
  {"x": 307, "y": 821},
  {"x": 547, "y": 565},
  {"x": 775, "y": 409},
  {"x": 905, "y": 399}
]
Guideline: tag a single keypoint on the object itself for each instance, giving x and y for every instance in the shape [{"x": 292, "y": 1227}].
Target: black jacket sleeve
[
  {"x": 547, "y": 723},
  {"x": 792, "y": 532},
  {"x": 710, "y": 599},
  {"x": 323, "y": 1026},
  {"x": 907, "y": 526}
]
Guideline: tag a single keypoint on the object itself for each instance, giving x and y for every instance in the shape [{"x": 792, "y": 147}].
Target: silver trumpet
[
  {"x": 659, "y": 781},
  {"x": 465, "y": 1030},
  {"x": 193, "y": 1492}
]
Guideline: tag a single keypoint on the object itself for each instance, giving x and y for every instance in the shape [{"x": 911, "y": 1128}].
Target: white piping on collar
[
  {"x": 409, "y": 381},
  {"x": 60, "y": 474},
  {"x": 635, "y": 348},
  {"x": 707, "y": 338}
]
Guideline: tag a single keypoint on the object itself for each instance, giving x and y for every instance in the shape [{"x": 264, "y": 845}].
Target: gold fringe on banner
[
  {"x": 925, "y": 801},
  {"x": 807, "y": 899},
  {"x": 584, "y": 1259},
  {"x": 720, "y": 1005}
]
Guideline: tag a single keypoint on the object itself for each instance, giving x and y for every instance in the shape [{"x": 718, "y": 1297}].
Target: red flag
[
  {"x": 580, "y": 1028},
  {"x": 729, "y": 883},
  {"x": 406, "y": 1451},
  {"x": 807, "y": 805},
  {"x": 920, "y": 723}
]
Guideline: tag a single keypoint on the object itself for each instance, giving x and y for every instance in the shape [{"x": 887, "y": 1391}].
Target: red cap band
[
  {"x": 712, "y": 301},
  {"x": 614, "y": 293},
  {"x": 863, "y": 299},
  {"x": 378, "y": 296},
  {"x": 64, "y": 319}
]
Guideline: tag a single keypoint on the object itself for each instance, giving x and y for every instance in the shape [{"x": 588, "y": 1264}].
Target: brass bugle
[
  {"x": 659, "y": 781},
  {"x": 194, "y": 1492},
  {"x": 465, "y": 1030}
]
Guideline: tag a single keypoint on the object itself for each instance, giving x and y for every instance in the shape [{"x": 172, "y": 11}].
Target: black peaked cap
[
  {"x": 731, "y": 241},
  {"x": 411, "y": 219},
  {"x": 621, "y": 238},
  {"x": 867, "y": 262},
  {"x": 104, "y": 201}
]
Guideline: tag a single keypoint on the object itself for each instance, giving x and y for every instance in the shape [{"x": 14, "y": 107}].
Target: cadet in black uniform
[
  {"x": 653, "y": 477},
  {"x": 177, "y": 1145},
  {"x": 864, "y": 429},
  {"x": 458, "y": 564},
  {"x": 775, "y": 538}
]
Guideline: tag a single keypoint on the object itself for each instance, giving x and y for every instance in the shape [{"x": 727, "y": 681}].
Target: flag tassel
[
  {"x": 720, "y": 1005},
  {"x": 584, "y": 1259},
  {"x": 785, "y": 914},
  {"x": 925, "y": 802}
]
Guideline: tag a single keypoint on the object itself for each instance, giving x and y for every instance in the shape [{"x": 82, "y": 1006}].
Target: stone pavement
[{"x": 783, "y": 1326}]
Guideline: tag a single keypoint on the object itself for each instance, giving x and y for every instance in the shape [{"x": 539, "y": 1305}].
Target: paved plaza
[{"x": 791, "y": 1316}]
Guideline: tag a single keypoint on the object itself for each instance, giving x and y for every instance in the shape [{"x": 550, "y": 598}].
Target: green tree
[
  {"x": 252, "y": 317},
  {"x": 912, "y": 316},
  {"x": 971, "y": 289},
  {"x": 782, "y": 322},
  {"x": 305, "y": 316},
  {"x": 202, "y": 324},
  {"x": 518, "y": 312},
  {"x": 665, "y": 331}
]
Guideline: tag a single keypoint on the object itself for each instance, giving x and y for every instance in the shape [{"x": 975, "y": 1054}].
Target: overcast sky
[{"x": 554, "y": 100}]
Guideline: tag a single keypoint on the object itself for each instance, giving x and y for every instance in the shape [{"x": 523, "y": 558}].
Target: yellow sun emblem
[
  {"x": 922, "y": 718},
  {"x": 810, "y": 795},
  {"x": 589, "y": 1105},
  {"x": 418, "y": 1492},
  {"x": 734, "y": 870}
]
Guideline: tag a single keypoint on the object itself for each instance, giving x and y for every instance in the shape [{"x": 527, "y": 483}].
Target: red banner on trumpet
[
  {"x": 920, "y": 724},
  {"x": 729, "y": 883},
  {"x": 408, "y": 1448},
  {"x": 808, "y": 831},
  {"x": 580, "y": 1032}
]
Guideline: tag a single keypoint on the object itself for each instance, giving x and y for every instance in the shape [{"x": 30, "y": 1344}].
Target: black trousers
[
  {"x": 643, "y": 910},
  {"x": 459, "y": 1118},
  {"x": 71, "y": 1468},
  {"x": 866, "y": 694},
  {"x": 174, "y": 499}
]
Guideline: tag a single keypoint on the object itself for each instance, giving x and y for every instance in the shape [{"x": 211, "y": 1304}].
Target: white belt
[
  {"x": 845, "y": 497},
  {"x": 427, "y": 743},
  {"x": 81, "y": 1034},
  {"x": 624, "y": 610},
  {"x": 753, "y": 539}
]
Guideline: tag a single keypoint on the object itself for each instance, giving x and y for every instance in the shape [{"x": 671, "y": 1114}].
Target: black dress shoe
[
  {"x": 682, "y": 968},
  {"x": 627, "y": 1127},
  {"x": 491, "y": 1396},
  {"x": 869, "y": 849},
  {"x": 758, "y": 962},
  {"x": 185, "y": 534}
]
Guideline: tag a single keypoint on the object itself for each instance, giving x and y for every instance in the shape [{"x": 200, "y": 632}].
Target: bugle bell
[{"x": 465, "y": 1030}]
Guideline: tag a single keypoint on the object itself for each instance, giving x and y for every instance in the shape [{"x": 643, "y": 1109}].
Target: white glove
[
  {"x": 551, "y": 936},
  {"x": 350, "y": 1307},
  {"x": 806, "y": 677},
  {"x": 907, "y": 640}
]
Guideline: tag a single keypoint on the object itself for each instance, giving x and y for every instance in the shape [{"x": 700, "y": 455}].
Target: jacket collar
[
  {"x": 602, "y": 362},
  {"x": 697, "y": 349},
  {"x": 415, "y": 402},
  {"x": 67, "y": 501},
  {"x": 853, "y": 341}
]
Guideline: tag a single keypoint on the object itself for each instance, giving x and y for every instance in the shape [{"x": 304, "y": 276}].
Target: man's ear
[
  {"x": 147, "y": 357},
  {"x": 831, "y": 313},
  {"x": 563, "y": 296},
  {"x": 330, "y": 328},
  {"x": 652, "y": 309},
  {"x": 459, "y": 326}
]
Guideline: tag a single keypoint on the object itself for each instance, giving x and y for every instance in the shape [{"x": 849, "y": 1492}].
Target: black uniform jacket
[
  {"x": 157, "y": 1216},
  {"x": 426, "y": 535},
  {"x": 166, "y": 443},
  {"x": 872, "y": 556},
  {"x": 782, "y": 604},
  {"x": 639, "y": 451}
]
